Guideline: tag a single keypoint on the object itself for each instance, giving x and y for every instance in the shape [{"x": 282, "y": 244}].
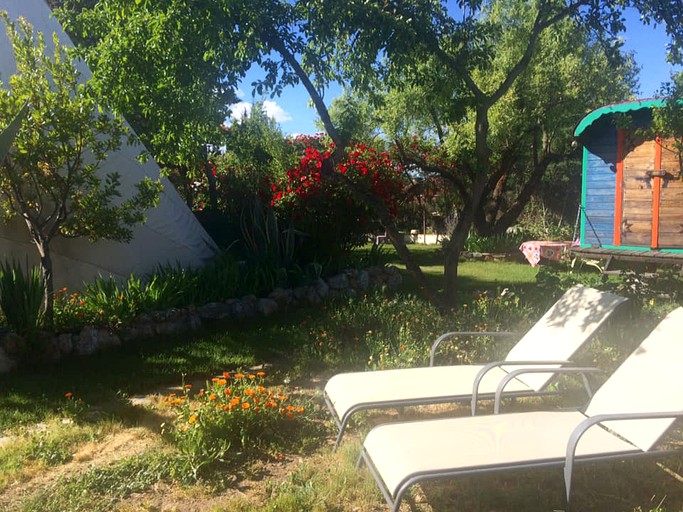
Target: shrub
[
  {"x": 397, "y": 332},
  {"x": 234, "y": 416},
  {"x": 324, "y": 206},
  {"x": 21, "y": 296}
]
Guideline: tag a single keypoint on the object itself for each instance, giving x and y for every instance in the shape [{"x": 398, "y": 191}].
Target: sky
[{"x": 292, "y": 111}]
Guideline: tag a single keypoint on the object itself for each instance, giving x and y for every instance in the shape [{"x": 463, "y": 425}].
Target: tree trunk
[
  {"x": 411, "y": 265},
  {"x": 457, "y": 239},
  {"x": 46, "y": 272}
]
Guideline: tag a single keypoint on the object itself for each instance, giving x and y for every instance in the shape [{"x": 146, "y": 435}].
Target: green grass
[
  {"x": 472, "y": 275},
  {"x": 301, "y": 343}
]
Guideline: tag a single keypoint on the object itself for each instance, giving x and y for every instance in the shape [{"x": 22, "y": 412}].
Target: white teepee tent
[{"x": 171, "y": 233}]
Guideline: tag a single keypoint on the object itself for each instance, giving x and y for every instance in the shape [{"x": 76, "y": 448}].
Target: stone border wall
[{"x": 91, "y": 339}]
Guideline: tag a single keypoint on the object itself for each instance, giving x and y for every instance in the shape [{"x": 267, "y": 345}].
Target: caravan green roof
[{"x": 615, "y": 108}]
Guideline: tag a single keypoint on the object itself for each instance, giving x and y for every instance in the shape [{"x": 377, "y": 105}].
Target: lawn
[{"x": 107, "y": 445}]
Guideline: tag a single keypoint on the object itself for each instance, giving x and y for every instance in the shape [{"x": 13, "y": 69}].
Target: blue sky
[{"x": 292, "y": 110}]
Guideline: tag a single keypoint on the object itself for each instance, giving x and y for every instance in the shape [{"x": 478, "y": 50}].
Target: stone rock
[
  {"x": 300, "y": 292},
  {"x": 50, "y": 352},
  {"x": 7, "y": 364},
  {"x": 338, "y": 282},
  {"x": 236, "y": 309},
  {"x": 266, "y": 307},
  {"x": 87, "y": 341},
  {"x": 363, "y": 280},
  {"x": 312, "y": 296},
  {"x": 143, "y": 318},
  {"x": 283, "y": 297},
  {"x": 65, "y": 342},
  {"x": 107, "y": 339},
  {"x": 249, "y": 305},
  {"x": 321, "y": 288},
  {"x": 394, "y": 278},
  {"x": 214, "y": 311},
  {"x": 194, "y": 321},
  {"x": 13, "y": 343}
]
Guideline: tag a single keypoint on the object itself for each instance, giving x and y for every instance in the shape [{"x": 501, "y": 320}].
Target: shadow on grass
[{"x": 107, "y": 378}]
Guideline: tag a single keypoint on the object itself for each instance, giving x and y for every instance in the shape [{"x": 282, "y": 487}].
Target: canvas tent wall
[{"x": 170, "y": 235}]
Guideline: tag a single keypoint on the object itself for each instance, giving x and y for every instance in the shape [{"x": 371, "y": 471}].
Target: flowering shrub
[
  {"x": 233, "y": 416},
  {"x": 333, "y": 217}
]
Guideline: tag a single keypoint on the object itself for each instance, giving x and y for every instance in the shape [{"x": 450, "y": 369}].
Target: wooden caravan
[{"x": 632, "y": 195}]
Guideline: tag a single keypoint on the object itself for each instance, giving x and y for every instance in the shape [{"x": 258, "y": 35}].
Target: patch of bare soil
[
  {"x": 114, "y": 447},
  {"x": 250, "y": 486}
]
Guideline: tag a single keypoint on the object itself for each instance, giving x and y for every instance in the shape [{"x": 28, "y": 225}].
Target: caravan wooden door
[{"x": 651, "y": 194}]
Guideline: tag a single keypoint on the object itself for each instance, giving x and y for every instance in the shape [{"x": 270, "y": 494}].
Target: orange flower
[
  {"x": 188, "y": 386},
  {"x": 299, "y": 410},
  {"x": 249, "y": 392},
  {"x": 192, "y": 419},
  {"x": 235, "y": 401},
  {"x": 228, "y": 391},
  {"x": 212, "y": 397},
  {"x": 252, "y": 376},
  {"x": 261, "y": 374},
  {"x": 257, "y": 409},
  {"x": 289, "y": 415},
  {"x": 214, "y": 379},
  {"x": 290, "y": 408},
  {"x": 69, "y": 394},
  {"x": 226, "y": 375},
  {"x": 245, "y": 405},
  {"x": 239, "y": 375}
]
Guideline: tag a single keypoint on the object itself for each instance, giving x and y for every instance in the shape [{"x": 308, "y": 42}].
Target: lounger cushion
[
  {"x": 346, "y": 390},
  {"x": 401, "y": 450},
  {"x": 649, "y": 380}
]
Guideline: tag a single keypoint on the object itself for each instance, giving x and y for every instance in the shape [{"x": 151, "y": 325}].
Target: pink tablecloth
[{"x": 534, "y": 250}]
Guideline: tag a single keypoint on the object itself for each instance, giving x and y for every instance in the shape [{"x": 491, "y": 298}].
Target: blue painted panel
[{"x": 599, "y": 186}]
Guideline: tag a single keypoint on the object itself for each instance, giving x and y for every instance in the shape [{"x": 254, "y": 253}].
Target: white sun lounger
[
  {"x": 647, "y": 385},
  {"x": 551, "y": 342}
]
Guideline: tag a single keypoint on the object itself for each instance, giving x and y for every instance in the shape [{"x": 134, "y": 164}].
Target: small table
[{"x": 534, "y": 250}]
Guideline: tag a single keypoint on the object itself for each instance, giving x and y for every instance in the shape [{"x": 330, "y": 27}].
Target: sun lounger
[
  {"x": 551, "y": 342},
  {"x": 638, "y": 404}
]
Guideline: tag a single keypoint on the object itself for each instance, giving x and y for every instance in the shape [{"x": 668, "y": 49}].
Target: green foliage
[
  {"x": 21, "y": 296},
  {"x": 52, "y": 178},
  {"x": 496, "y": 244},
  {"x": 8, "y": 134},
  {"x": 235, "y": 416},
  {"x": 256, "y": 154},
  {"x": 397, "y": 332},
  {"x": 108, "y": 301},
  {"x": 180, "y": 70},
  {"x": 270, "y": 248}
]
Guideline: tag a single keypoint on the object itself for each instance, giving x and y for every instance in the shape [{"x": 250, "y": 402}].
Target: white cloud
[
  {"x": 276, "y": 111},
  {"x": 238, "y": 110},
  {"x": 271, "y": 108}
]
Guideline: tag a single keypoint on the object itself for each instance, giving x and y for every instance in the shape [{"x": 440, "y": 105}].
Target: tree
[
  {"x": 51, "y": 178},
  {"x": 353, "y": 118},
  {"x": 170, "y": 67},
  {"x": 393, "y": 41}
]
